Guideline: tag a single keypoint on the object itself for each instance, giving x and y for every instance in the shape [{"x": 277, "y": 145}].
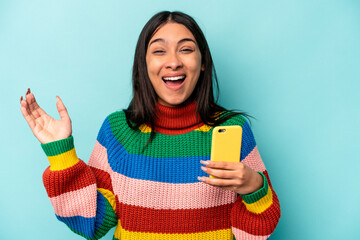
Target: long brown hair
[{"x": 142, "y": 108}]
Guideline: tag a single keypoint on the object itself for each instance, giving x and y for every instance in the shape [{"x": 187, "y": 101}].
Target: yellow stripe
[
  {"x": 262, "y": 204},
  {"x": 63, "y": 160},
  {"x": 109, "y": 196},
  {"x": 120, "y": 233},
  {"x": 217, "y": 115},
  {"x": 144, "y": 128},
  {"x": 204, "y": 128}
]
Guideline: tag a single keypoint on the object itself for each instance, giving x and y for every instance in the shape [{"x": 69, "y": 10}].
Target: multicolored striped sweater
[{"x": 155, "y": 193}]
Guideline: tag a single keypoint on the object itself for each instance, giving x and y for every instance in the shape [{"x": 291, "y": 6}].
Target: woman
[{"x": 145, "y": 175}]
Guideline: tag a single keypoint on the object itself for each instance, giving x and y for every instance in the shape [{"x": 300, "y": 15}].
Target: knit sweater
[{"x": 154, "y": 193}]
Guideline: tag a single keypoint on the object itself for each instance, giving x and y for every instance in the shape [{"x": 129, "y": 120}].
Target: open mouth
[{"x": 174, "y": 81}]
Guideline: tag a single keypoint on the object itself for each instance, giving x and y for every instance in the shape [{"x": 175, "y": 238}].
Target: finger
[
  {"x": 222, "y": 165},
  {"x": 22, "y": 99},
  {"x": 33, "y": 105},
  {"x": 26, "y": 106},
  {"x": 29, "y": 97},
  {"x": 62, "y": 109},
  {"x": 36, "y": 111},
  {"x": 36, "y": 106},
  {"x": 29, "y": 119},
  {"x": 220, "y": 173}
]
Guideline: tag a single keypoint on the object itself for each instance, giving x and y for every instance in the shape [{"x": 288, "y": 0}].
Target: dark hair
[{"x": 142, "y": 108}]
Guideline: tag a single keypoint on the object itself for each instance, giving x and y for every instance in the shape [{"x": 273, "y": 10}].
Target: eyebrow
[{"x": 181, "y": 41}]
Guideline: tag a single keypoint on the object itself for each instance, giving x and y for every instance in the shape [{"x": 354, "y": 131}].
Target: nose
[{"x": 173, "y": 62}]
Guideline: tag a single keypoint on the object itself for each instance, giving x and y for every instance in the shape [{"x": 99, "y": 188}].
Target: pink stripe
[
  {"x": 99, "y": 158},
  {"x": 158, "y": 195},
  {"x": 239, "y": 234},
  {"x": 81, "y": 202},
  {"x": 253, "y": 160}
]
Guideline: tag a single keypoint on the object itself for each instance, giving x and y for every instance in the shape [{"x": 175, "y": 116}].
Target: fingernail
[
  {"x": 201, "y": 179},
  {"x": 204, "y": 168},
  {"x": 204, "y": 162},
  {"x": 28, "y": 91},
  {"x": 21, "y": 98}
]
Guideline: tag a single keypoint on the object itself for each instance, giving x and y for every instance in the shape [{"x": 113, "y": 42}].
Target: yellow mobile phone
[{"x": 226, "y": 144}]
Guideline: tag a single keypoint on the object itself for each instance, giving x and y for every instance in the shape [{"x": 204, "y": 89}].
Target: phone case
[{"x": 226, "y": 144}]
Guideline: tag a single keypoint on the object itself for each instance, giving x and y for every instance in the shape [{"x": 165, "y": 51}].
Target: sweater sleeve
[
  {"x": 82, "y": 196},
  {"x": 255, "y": 216}
]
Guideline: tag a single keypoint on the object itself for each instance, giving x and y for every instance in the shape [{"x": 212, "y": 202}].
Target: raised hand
[{"x": 44, "y": 127}]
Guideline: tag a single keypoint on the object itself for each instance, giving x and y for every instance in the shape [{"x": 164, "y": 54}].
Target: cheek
[
  {"x": 153, "y": 66},
  {"x": 195, "y": 69},
  {"x": 194, "y": 64},
  {"x": 148, "y": 64}
]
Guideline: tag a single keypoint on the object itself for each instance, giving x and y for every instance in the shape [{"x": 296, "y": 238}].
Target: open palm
[{"x": 45, "y": 128}]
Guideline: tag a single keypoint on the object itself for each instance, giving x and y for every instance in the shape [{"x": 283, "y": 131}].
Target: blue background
[{"x": 294, "y": 65}]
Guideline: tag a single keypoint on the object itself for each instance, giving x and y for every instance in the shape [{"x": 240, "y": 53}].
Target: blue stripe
[
  {"x": 84, "y": 225},
  {"x": 100, "y": 211},
  {"x": 104, "y": 130},
  {"x": 80, "y": 224},
  {"x": 167, "y": 169},
  {"x": 248, "y": 141}
]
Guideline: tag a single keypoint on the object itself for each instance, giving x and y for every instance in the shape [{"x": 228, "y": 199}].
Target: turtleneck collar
[{"x": 177, "y": 120}]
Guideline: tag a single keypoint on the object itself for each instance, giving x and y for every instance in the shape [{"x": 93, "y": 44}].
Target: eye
[
  {"x": 187, "y": 50},
  {"x": 158, "y": 52}
]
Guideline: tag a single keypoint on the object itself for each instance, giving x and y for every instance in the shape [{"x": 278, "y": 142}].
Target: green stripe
[
  {"x": 110, "y": 220},
  {"x": 256, "y": 196},
  {"x": 194, "y": 143},
  {"x": 58, "y": 147}
]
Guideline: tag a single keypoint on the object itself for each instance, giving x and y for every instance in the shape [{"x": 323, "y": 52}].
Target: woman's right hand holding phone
[{"x": 45, "y": 128}]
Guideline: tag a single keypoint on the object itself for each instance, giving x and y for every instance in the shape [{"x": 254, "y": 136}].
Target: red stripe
[
  {"x": 103, "y": 179},
  {"x": 256, "y": 224},
  {"x": 177, "y": 131},
  {"x": 179, "y": 120},
  {"x": 140, "y": 219},
  {"x": 67, "y": 180}
]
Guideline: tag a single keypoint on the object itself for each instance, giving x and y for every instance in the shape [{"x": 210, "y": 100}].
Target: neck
[{"x": 177, "y": 120}]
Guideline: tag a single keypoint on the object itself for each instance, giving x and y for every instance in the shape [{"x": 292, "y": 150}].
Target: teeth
[{"x": 173, "y": 78}]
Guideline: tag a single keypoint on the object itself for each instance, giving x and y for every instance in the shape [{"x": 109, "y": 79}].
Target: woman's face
[{"x": 173, "y": 63}]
